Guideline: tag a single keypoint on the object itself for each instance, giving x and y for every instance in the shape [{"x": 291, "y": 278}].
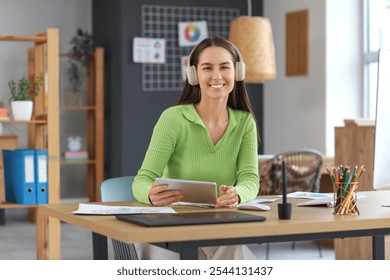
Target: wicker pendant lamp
[{"x": 253, "y": 37}]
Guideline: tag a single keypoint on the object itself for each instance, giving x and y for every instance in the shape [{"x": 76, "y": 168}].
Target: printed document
[{"x": 97, "y": 209}]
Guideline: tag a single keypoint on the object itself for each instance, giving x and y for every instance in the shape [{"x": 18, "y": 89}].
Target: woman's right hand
[{"x": 160, "y": 196}]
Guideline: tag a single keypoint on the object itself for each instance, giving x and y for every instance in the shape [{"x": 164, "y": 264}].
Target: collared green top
[{"x": 181, "y": 148}]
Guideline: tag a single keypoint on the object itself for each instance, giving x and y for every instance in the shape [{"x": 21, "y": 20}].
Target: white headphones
[{"x": 192, "y": 77}]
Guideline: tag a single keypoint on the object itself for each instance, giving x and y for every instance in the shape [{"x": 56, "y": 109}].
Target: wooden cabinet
[
  {"x": 94, "y": 109},
  {"x": 355, "y": 145}
]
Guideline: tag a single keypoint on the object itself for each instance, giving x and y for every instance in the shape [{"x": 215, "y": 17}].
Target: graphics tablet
[
  {"x": 195, "y": 218},
  {"x": 193, "y": 191}
]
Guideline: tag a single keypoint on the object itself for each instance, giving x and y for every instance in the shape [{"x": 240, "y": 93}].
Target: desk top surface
[{"x": 317, "y": 219}]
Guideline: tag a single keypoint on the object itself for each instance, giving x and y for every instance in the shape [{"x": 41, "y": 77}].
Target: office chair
[
  {"x": 119, "y": 189},
  {"x": 265, "y": 174},
  {"x": 303, "y": 173}
]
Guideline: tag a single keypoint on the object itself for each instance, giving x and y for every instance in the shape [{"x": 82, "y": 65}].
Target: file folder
[
  {"x": 41, "y": 176},
  {"x": 19, "y": 176},
  {"x": 8, "y": 182}
]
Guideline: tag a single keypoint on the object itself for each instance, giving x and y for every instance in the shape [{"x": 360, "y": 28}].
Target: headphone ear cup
[
  {"x": 191, "y": 75},
  {"x": 240, "y": 71}
]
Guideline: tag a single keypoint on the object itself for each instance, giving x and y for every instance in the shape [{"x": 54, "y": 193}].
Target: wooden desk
[{"x": 307, "y": 223}]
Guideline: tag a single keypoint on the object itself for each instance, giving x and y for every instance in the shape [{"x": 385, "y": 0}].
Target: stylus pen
[{"x": 284, "y": 182}]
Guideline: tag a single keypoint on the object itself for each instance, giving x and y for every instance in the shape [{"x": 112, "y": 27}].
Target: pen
[
  {"x": 284, "y": 182},
  {"x": 354, "y": 173},
  {"x": 330, "y": 174},
  {"x": 360, "y": 172},
  {"x": 336, "y": 173},
  {"x": 346, "y": 186}
]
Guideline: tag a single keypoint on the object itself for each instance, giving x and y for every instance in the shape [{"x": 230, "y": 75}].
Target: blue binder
[
  {"x": 41, "y": 176},
  {"x": 8, "y": 182},
  {"x": 19, "y": 176}
]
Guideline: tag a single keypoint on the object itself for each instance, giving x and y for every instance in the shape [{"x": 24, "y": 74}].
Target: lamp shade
[{"x": 253, "y": 37}]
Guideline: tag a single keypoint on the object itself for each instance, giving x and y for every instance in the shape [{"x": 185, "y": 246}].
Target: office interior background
[{"x": 294, "y": 112}]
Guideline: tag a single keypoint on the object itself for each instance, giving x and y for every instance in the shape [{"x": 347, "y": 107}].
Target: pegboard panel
[{"x": 162, "y": 22}]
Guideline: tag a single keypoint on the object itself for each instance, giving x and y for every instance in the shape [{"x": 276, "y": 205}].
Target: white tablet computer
[{"x": 193, "y": 191}]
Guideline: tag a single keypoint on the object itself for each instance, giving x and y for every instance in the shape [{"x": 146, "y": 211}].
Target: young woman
[{"x": 210, "y": 135}]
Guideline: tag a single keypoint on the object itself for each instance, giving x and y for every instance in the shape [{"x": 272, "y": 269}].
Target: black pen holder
[{"x": 284, "y": 211}]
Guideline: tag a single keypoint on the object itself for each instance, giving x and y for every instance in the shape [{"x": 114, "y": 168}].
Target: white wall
[
  {"x": 24, "y": 18},
  {"x": 344, "y": 65},
  {"x": 300, "y": 111}
]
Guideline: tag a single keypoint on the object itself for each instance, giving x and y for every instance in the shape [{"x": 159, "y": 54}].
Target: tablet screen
[{"x": 193, "y": 191}]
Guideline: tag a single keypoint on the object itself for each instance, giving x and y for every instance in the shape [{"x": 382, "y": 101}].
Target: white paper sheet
[
  {"x": 311, "y": 195},
  {"x": 96, "y": 209},
  {"x": 327, "y": 200}
]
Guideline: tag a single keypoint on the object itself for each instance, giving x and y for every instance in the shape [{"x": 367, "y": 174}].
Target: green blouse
[{"x": 181, "y": 148}]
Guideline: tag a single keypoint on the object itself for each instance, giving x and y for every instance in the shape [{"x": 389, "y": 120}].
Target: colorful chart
[{"x": 192, "y": 33}]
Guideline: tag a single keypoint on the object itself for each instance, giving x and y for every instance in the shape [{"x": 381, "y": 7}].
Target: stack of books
[
  {"x": 4, "y": 113},
  {"x": 76, "y": 156}
]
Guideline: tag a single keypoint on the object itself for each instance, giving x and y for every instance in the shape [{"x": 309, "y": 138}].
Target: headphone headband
[{"x": 192, "y": 77}]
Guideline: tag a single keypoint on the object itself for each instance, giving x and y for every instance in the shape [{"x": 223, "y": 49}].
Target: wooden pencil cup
[{"x": 345, "y": 198}]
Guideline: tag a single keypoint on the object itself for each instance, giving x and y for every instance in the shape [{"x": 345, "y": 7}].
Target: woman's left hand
[{"x": 229, "y": 197}]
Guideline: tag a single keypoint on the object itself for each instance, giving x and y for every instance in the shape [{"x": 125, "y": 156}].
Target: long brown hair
[{"x": 238, "y": 98}]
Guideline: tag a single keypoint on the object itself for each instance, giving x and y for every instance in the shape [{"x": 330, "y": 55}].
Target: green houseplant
[
  {"x": 82, "y": 47},
  {"x": 22, "y": 95},
  {"x": 25, "y": 90}
]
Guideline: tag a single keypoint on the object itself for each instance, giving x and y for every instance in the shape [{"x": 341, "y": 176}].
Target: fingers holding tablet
[{"x": 159, "y": 195}]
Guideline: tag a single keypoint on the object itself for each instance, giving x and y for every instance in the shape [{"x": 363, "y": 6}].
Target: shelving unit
[
  {"x": 95, "y": 124},
  {"x": 43, "y": 129},
  {"x": 44, "y": 124}
]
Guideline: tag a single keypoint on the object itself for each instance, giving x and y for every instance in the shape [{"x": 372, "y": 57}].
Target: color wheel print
[{"x": 192, "y": 33}]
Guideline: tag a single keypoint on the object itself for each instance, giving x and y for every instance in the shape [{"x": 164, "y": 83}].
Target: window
[{"x": 377, "y": 36}]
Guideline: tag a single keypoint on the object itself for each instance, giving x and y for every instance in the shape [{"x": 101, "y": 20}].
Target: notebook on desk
[{"x": 192, "y": 218}]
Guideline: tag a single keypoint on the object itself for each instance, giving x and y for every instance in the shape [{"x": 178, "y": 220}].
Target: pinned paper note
[{"x": 148, "y": 50}]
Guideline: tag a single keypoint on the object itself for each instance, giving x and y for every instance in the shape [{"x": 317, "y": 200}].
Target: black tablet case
[{"x": 191, "y": 218}]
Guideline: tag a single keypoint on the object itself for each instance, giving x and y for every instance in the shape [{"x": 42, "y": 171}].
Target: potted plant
[
  {"x": 22, "y": 95},
  {"x": 82, "y": 47}
]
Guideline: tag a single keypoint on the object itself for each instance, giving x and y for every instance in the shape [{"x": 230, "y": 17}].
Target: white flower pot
[{"x": 22, "y": 110}]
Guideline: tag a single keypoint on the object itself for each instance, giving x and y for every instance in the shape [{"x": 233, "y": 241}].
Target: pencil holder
[{"x": 345, "y": 198}]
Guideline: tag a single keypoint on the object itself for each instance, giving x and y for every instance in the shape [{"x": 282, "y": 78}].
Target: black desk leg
[
  {"x": 2, "y": 217},
  {"x": 378, "y": 247},
  {"x": 189, "y": 251},
  {"x": 99, "y": 246}
]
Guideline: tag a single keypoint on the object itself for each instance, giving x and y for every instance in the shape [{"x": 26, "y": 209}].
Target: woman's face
[{"x": 215, "y": 72}]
